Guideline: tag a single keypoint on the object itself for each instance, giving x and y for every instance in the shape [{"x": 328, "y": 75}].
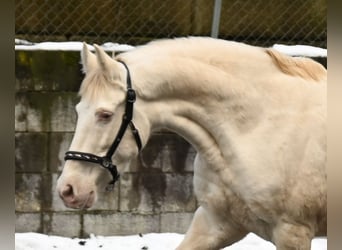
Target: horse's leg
[
  {"x": 206, "y": 233},
  {"x": 288, "y": 236}
]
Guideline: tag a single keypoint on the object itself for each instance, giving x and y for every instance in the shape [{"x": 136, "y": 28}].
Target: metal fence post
[{"x": 216, "y": 18}]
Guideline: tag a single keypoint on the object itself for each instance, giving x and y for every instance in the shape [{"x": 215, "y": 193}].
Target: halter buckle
[
  {"x": 130, "y": 95},
  {"x": 106, "y": 162}
]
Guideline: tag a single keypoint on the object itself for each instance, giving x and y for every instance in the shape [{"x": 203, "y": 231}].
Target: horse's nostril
[{"x": 67, "y": 192}]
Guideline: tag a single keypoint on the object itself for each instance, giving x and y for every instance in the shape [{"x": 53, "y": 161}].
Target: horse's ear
[
  {"x": 88, "y": 59},
  {"x": 108, "y": 65}
]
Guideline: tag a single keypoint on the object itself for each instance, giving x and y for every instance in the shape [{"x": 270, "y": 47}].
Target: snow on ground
[
  {"x": 153, "y": 241},
  {"x": 292, "y": 50}
]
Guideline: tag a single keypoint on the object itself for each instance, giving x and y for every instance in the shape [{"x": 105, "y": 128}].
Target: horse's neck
[
  {"x": 194, "y": 102},
  {"x": 185, "y": 119},
  {"x": 213, "y": 108}
]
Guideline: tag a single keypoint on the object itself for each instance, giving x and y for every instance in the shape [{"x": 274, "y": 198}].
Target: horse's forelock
[{"x": 96, "y": 84}]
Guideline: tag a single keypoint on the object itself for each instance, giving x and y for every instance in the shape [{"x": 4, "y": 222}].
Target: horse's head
[{"x": 105, "y": 109}]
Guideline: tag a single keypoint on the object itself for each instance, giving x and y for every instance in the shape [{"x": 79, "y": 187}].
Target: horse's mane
[
  {"x": 214, "y": 52},
  {"x": 196, "y": 46},
  {"x": 298, "y": 66}
]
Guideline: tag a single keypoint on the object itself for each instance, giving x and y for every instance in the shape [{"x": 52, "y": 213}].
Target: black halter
[{"x": 106, "y": 161}]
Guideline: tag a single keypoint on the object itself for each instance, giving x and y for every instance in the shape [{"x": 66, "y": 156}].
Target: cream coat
[{"x": 256, "y": 118}]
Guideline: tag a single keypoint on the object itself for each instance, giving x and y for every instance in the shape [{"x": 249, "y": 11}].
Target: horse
[{"x": 256, "y": 118}]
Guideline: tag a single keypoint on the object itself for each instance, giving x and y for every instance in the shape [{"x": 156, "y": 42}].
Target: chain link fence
[{"x": 259, "y": 22}]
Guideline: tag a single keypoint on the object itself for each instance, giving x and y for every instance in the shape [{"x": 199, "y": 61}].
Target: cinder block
[
  {"x": 46, "y": 197},
  {"x": 150, "y": 156},
  {"x": 166, "y": 151},
  {"x": 63, "y": 115},
  {"x": 142, "y": 192},
  {"x": 28, "y": 192},
  {"x": 179, "y": 194},
  {"x": 120, "y": 224},
  {"x": 132, "y": 197},
  {"x": 59, "y": 144},
  {"x": 62, "y": 224},
  {"x": 38, "y": 111},
  {"x": 23, "y": 75},
  {"x": 157, "y": 192},
  {"x": 47, "y": 70},
  {"x": 28, "y": 222},
  {"x": 107, "y": 200},
  {"x": 30, "y": 152},
  {"x": 35, "y": 121},
  {"x": 51, "y": 111},
  {"x": 177, "y": 154},
  {"x": 175, "y": 222},
  {"x": 20, "y": 124}
]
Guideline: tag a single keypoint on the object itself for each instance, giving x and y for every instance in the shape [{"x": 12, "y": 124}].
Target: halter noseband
[{"x": 106, "y": 161}]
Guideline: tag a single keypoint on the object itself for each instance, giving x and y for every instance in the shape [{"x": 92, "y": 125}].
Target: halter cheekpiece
[{"x": 106, "y": 161}]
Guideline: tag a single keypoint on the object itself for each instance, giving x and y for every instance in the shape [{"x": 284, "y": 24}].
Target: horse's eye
[{"x": 104, "y": 115}]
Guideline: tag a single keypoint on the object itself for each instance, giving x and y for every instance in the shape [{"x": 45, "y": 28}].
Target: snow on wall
[{"x": 292, "y": 50}]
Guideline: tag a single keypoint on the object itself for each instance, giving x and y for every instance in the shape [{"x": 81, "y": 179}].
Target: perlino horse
[{"x": 255, "y": 117}]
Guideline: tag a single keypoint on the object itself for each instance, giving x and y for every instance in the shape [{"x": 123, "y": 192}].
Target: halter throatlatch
[{"x": 106, "y": 161}]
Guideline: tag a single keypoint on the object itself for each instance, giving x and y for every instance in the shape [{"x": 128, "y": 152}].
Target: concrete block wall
[{"x": 154, "y": 195}]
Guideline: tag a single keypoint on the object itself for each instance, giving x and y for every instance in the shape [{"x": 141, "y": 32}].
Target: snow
[
  {"x": 68, "y": 46},
  {"x": 301, "y": 50},
  {"x": 152, "y": 241},
  {"x": 292, "y": 50}
]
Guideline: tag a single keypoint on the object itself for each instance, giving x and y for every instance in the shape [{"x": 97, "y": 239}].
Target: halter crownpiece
[{"x": 106, "y": 161}]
